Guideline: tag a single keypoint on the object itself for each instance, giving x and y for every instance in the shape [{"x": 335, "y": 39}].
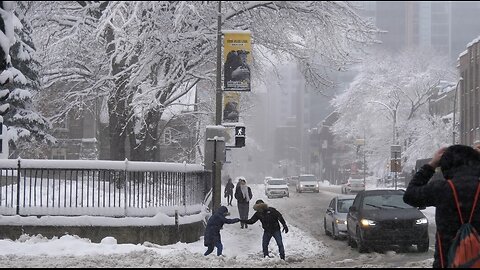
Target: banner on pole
[
  {"x": 237, "y": 60},
  {"x": 231, "y": 107}
]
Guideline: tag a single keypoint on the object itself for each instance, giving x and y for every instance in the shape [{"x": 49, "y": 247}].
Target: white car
[
  {"x": 307, "y": 182},
  {"x": 265, "y": 181},
  {"x": 335, "y": 219},
  {"x": 276, "y": 188},
  {"x": 354, "y": 184}
]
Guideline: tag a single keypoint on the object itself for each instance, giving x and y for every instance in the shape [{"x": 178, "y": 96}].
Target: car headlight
[
  {"x": 367, "y": 222},
  {"x": 421, "y": 221},
  {"x": 340, "y": 221}
]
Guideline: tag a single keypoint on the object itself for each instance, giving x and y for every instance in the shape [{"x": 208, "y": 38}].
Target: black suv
[{"x": 379, "y": 218}]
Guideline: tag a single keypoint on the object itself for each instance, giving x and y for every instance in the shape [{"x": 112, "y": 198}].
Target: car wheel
[
  {"x": 325, "y": 227},
  {"x": 362, "y": 248},
  {"x": 423, "y": 246},
  {"x": 350, "y": 241}
]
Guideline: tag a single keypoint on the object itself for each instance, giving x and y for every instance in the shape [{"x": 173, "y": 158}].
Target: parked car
[
  {"x": 277, "y": 187},
  {"x": 265, "y": 181},
  {"x": 354, "y": 184},
  {"x": 292, "y": 180},
  {"x": 379, "y": 218},
  {"x": 307, "y": 182},
  {"x": 335, "y": 219}
]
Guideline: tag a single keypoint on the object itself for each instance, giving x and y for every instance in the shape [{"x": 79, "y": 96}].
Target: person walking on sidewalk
[
  {"x": 243, "y": 194},
  {"x": 229, "y": 191}
]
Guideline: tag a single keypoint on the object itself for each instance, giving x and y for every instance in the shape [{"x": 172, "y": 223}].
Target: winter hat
[{"x": 260, "y": 206}]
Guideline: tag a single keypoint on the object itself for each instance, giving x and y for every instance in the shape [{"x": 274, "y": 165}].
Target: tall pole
[
  {"x": 455, "y": 110},
  {"x": 394, "y": 124},
  {"x": 364, "y": 164},
  {"x": 218, "y": 112},
  {"x": 218, "y": 99}
]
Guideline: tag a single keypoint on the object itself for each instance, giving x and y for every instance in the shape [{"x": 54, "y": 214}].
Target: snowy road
[
  {"x": 310, "y": 219},
  {"x": 305, "y": 245}
]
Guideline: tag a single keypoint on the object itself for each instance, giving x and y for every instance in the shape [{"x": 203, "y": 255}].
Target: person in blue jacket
[{"x": 215, "y": 223}]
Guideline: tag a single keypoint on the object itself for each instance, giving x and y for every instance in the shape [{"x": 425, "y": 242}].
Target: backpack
[{"x": 465, "y": 249}]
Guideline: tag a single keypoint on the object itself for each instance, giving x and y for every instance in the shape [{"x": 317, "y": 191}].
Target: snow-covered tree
[
  {"x": 157, "y": 51},
  {"x": 26, "y": 126},
  {"x": 388, "y": 101}
]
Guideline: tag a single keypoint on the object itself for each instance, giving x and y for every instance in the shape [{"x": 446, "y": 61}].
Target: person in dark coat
[
  {"x": 461, "y": 164},
  {"x": 270, "y": 219},
  {"x": 229, "y": 191},
  {"x": 243, "y": 194},
  {"x": 215, "y": 223}
]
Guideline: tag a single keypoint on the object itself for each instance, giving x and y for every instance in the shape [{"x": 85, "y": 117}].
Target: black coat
[
  {"x": 423, "y": 193},
  {"x": 229, "y": 188},
  {"x": 239, "y": 194},
  {"x": 269, "y": 217},
  {"x": 214, "y": 224}
]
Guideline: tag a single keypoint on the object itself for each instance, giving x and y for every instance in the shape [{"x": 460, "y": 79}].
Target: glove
[{"x": 285, "y": 229}]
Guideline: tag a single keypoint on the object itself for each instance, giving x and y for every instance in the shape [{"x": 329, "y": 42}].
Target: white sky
[{"x": 242, "y": 248}]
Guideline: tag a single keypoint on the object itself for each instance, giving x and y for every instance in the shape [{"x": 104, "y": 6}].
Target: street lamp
[
  {"x": 394, "y": 116},
  {"x": 455, "y": 108}
]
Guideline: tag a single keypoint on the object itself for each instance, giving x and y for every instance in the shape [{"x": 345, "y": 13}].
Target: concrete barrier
[{"x": 161, "y": 235}]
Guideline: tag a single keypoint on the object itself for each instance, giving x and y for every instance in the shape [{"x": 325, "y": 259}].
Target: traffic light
[{"x": 239, "y": 136}]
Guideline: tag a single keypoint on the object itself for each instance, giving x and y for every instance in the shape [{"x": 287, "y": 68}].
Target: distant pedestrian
[
  {"x": 461, "y": 165},
  {"x": 229, "y": 191},
  {"x": 243, "y": 194},
  {"x": 270, "y": 219},
  {"x": 215, "y": 223}
]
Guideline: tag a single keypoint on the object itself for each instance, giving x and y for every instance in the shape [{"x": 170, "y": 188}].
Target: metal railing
[{"x": 100, "y": 188}]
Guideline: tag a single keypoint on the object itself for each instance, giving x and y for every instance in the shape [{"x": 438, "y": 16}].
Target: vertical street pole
[
  {"x": 455, "y": 109},
  {"x": 218, "y": 99},
  {"x": 396, "y": 169},
  {"x": 394, "y": 125},
  {"x": 364, "y": 164},
  {"x": 218, "y": 110},
  {"x": 215, "y": 193}
]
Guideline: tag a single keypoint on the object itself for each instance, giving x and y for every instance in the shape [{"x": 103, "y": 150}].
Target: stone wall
[{"x": 161, "y": 235}]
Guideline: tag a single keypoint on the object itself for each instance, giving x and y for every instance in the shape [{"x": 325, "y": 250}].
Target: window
[
  {"x": 59, "y": 153},
  {"x": 167, "y": 136},
  {"x": 344, "y": 205},
  {"x": 386, "y": 201}
]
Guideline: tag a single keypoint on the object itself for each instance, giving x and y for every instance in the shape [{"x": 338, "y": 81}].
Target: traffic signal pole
[{"x": 216, "y": 199}]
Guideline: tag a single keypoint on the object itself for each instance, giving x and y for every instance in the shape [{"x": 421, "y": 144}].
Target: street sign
[
  {"x": 395, "y": 165},
  {"x": 359, "y": 142},
  {"x": 396, "y": 151}
]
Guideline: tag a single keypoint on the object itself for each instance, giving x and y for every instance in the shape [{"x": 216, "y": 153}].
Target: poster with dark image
[{"x": 230, "y": 112}]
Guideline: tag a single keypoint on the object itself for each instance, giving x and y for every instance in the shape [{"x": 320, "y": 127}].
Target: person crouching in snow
[
  {"x": 215, "y": 223},
  {"x": 269, "y": 217}
]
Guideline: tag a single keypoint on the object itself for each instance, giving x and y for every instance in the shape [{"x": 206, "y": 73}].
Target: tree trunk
[{"x": 147, "y": 147}]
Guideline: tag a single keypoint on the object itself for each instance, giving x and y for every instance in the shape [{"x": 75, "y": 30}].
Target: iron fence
[{"x": 102, "y": 188}]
